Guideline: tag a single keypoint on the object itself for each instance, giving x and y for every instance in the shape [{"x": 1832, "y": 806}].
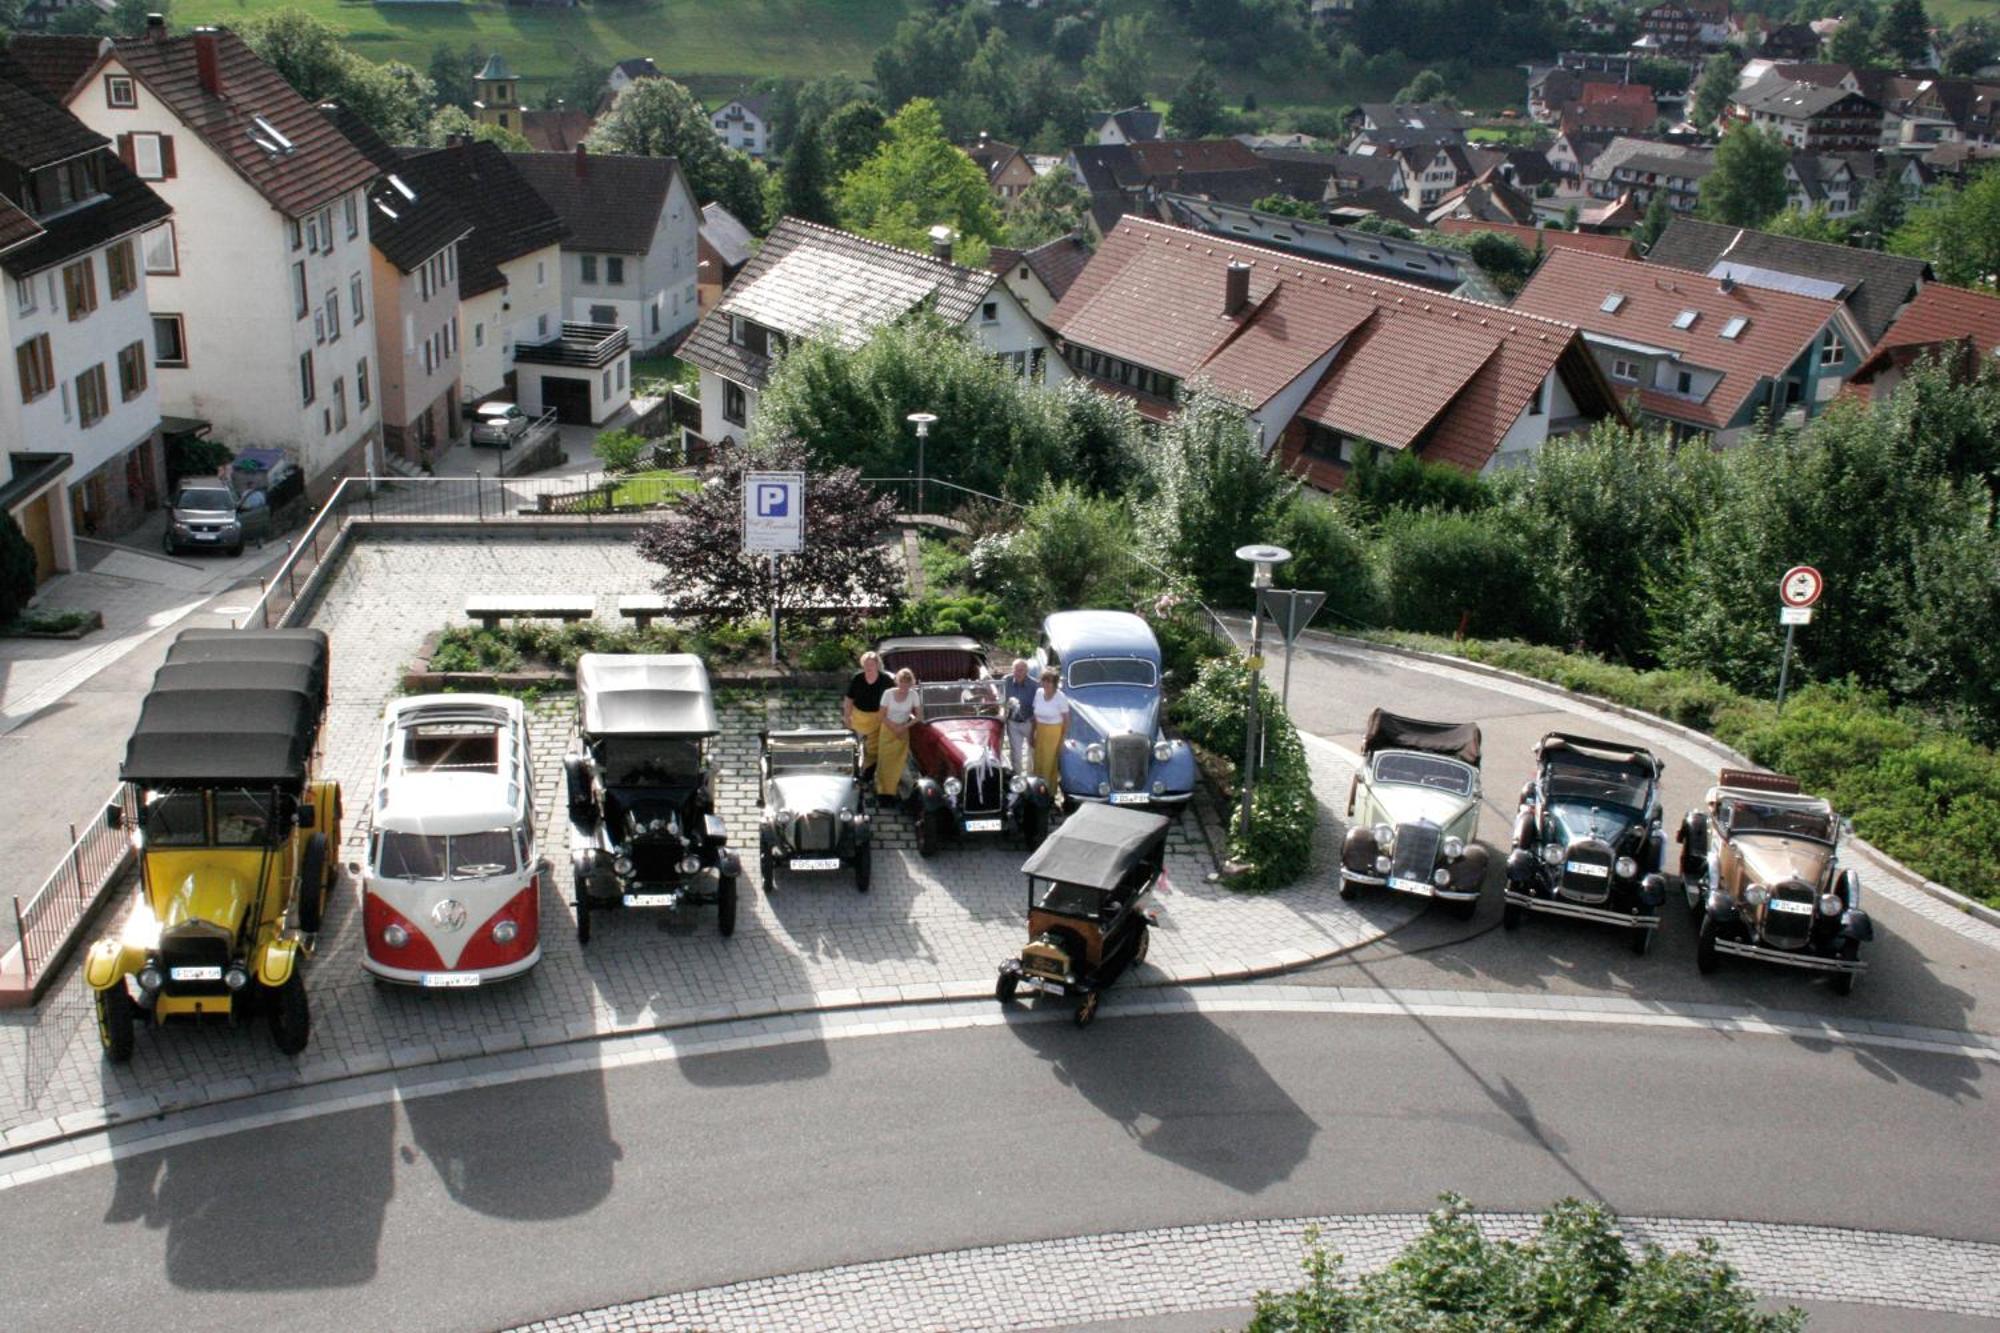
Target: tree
[
  {"x": 1121, "y": 66},
  {"x": 17, "y": 569},
  {"x": 698, "y": 542},
  {"x": 1664, "y": 77},
  {"x": 1712, "y": 95},
  {"x": 803, "y": 181},
  {"x": 449, "y": 122},
  {"x": 1747, "y": 185},
  {"x": 451, "y": 75},
  {"x": 926, "y": 56},
  {"x": 816, "y": 101},
  {"x": 1055, "y": 205},
  {"x": 1070, "y": 39},
  {"x": 1812, "y": 224},
  {"x": 1957, "y": 230},
  {"x": 1427, "y": 86},
  {"x": 1853, "y": 42},
  {"x": 582, "y": 88},
  {"x": 1286, "y": 206},
  {"x": 1196, "y": 110},
  {"x": 1879, "y": 214},
  {"x": 395, "y": 99},
  {"x": 851, "y": 135},
  {"x": 1658, "y": 215},
  {"x": 916, "y": 180},
  {"x": 660, "y": 118},
  {"x": 1212, "y": 485},
  {"x": 1972, "y": 45},
  {"x": 1904, "y": 35}
]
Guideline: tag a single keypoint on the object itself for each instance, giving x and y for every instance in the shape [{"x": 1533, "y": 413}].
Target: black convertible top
[
  {"x": 231, "y": 706},
  {"x": 1097, "y": 845},
  {"x": 1587, "y": 753},
  {"x": 1391, "y": 731}
]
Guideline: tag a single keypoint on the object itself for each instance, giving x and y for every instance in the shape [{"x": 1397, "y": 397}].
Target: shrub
[
  {"x": 945, "y": 567},
  {"x": 1375, "y": 487},
  {"x": 17, "y": 569},
  {"x": 619, "y": 449},
  {"x": 195, "y": 456},
  {"x": 832, "y": 653},
  {"x": 1076, "y": 548},
  {"x": 970, "y": 613},
  {"x": 1213, "y": 713},
  {"x": 1441, "y": 569},
  {"x": 1328, "y": 553}
]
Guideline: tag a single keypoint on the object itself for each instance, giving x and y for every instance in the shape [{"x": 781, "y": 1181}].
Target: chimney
[
  {"x": 208, "y": 61},
  {"x": 941, "y": 243},
  {"x": 582, "y": 162},
  {"x": 1727, "y": 285},
  {"x": 156, "y": 27},
  {"x": 1235, "y": 287},
  {"x": 457, "y": 142}
]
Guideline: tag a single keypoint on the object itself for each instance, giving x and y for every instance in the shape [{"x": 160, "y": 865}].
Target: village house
[
  {"x": 1040, "y": 276},
  {"x": 1810, "y": 116},
  {"x": 1006, "y": 168},
  {"x": 1135, "y": 124},
  {"x": 496, "y": 94},
  {"x": 1331, "y": 361},
  {"x": 1790, "y": 42},
  {"x": 744, "y": 123},
  {"x": 628, "y": 73},
  {"x": 1637, "y": 169},
  {"x": 1130, "y": 178},
  {"x": 260, "y": 184},
  {"x": 1685, "y": 28},
  {"x": 79, "y": 410},
  {"x": 629, "y": 259},
  {"x": 1701, "y": 355},
  {"x": 809, "y": 281},
  {"x": 724, "y": 246},
  {"x": 1949, "y": 324}
]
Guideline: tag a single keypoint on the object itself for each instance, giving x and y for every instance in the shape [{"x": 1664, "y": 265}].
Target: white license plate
[
  {"x": 1045, "y": 987},
  {"x": 450, "y": 980},
  {"x": 196, "y": 974},
  {"x": 208, "y": 536},
  {"x": 1581, "y": 868},
  {"x": 813, "y": 863},
  {"x": 1786, "y": 905},
  {"x": 1422, "y": 886},
  {"x": 982, "y": 826},
  {"x": 649, "y": 900},
  {"x": 1129, "y": 798}
]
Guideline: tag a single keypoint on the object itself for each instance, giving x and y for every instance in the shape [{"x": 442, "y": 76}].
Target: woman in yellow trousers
[
  {"x": 1051, "y": 725},
  {"x": 861, "y": 706},
  {"x": 900, "y": 707}
]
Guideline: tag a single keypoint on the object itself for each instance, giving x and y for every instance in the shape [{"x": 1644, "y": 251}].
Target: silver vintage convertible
[{"x": 1413, "y": 811}]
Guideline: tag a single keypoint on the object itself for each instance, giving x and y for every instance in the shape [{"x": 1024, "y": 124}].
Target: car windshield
[
  {"x": 1112, "y": 671},
  {"x": 242, "y": 818},
  {"x": 649, "y": 761},
  {"x": 207, "y": 498},
  {"x": 1790, "y": 821},
  {"x": 435, "y": 856},
  {"x": 817, "y": 758},
  {"x": 1424, "y": 770},
  {"x": 1600, "y": 786},
  {"x": 1052, "y": 895},
  {"x": 962, "y": 698},
  {"x": 175, "y": 819}
]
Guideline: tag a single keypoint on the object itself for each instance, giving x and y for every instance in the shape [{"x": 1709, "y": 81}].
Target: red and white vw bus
[{"x": 451, "y": 895}]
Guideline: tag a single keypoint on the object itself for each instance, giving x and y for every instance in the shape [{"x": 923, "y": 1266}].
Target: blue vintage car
[{"x": 1117, "y": 750}]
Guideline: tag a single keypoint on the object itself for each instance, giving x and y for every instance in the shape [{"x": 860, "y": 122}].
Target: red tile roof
[
  {"x": 1546, "y": 238},
  {"x": 1620, "y": 94},
  {"x": 1163, "y": 157},
  {"x": 1939, "y": 315},
  {"x": 321, "y": 164},
  {"x": 1573, "y": 285},
  {"x": 1408, "y": 366}
]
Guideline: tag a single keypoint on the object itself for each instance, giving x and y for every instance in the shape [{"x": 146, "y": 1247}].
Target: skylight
[
  {"x": 1734, "y": 328},
  {"x": 268, "y": 136},
  {"x": 402, "y": 189},
  {"x": 1612, "y": 302},
  {"x": 1686, "y": 319}
]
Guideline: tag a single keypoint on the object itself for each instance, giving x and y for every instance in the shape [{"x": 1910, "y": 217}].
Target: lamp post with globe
[{"x": 1262, "y": 559}]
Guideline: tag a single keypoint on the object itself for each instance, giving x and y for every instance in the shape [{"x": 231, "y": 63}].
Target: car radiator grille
[
  {"x": 1128, "y": 756},
  {"x": 983, "y": 789},
  {"x": 1585, "y": 887},
  {"x": 1788, "y": 930},
  {"x": 653, "y": 862},
  {"x": 815, "y": 831},
  {"x": 193, "y": 948},
  {"x": 1416, "y": 851}
]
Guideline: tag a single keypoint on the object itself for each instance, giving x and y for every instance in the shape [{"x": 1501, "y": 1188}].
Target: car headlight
[
  {"x": 1103, "y": 788},
  {"x": 1554, "y": 852},
  {"x": 1017, "y": 784},
  {"x": 1382, "y": 864},
  {"x": 1830, "y": 904},
  {"x": 847, "y": 816},
  {"x": 1385, "y": 838},
  {"x": 1163, "y": 751},
  {"x": 1756, "y": 895},
  {"x": 1454, "y": 848},
  {"x": 504, "y": 932},
  {"x": 1626, "y": 867},
  {"x": 952, "y": 786},
  {"x": 623, "y": 866},
  {"x": 690, "y": 864},
  {"x": 395, "y": 936},
  {"x": 785, "y": 816},
  {"x": 236, "y": 978},
  {"x": 1440, "y": 877},
  {"x": 150, "y": 977},
  {"x": 1094, "y": 752}
]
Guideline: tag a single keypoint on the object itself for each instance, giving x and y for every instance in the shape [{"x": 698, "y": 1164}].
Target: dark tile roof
[
  {"x": 1544, "y": 238},
  {"x": 609, "y": 201},
  {"x": 730, "y": 239},
  {"x": 1134, "y": 122},
  {"x": 55, "y": 60},
  {"x": 1939, "y": 315},
  {"x": 1778, "y": 96},
  {"x": 639, "y": 67},
  {"x": 1058, "y": 263},
  {"x": 509, "y": 218},
  {"x": 1416, "y": 117},
  {"x": 1382, "y": 203},
  {"x": 35, "y": 128},
  {"x": 408, "y": 222},
  {"x": 556, "y": 130},
  {"x": 1876, "y": 285},
  {"x": 813, "y": 281}
]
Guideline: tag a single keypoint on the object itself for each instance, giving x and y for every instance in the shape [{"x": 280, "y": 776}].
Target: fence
[{"x": 96, "y": 857}]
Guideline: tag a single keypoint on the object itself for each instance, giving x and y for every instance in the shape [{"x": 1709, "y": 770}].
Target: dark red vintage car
[{"x": 964, "y": 784}]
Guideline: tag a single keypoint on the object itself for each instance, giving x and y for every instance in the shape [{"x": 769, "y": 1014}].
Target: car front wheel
[
  {"x": 291, "y": 1018},
  {"x": 927, "y": 834},
  {"x": 1843, "y": 982},
  {"x": 1642, "y": 939},
  {"x": 1705, "y": 956},
  {"x": 864, "y": 867},
  {"x": 725, "y": 905},
  {"x": 1349, "y": 890},
  {"x": 116, "y": 1015},
  {"x": 1510, "y": 916},
  {"x": 1003, "y": 989},
  {"x": 1034, "y": 825},
  {"x": 582, "y": 913}
]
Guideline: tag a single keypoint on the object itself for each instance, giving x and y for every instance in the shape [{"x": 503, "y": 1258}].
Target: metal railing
[
  {"x": 96, "y": 857},
  {"x": 907, "y": 489}
]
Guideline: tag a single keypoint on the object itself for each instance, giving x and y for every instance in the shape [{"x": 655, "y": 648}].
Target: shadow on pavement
[{"x": 552, "y": 1156}]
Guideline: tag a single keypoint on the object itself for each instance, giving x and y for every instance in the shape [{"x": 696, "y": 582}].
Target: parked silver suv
[{"x": 207, "y": 516}]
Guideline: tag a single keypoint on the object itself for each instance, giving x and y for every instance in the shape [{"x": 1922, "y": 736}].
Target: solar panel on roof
[{"x": 1771, "y": 280}]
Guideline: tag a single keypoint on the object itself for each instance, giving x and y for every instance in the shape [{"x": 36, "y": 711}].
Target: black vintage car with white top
[
  {"x": 813, "y": 817},
  {"x": 1587, "y": 839}
]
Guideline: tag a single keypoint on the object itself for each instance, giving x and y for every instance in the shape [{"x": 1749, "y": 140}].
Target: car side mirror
[
  {"x": 306, "y": 816},
  {"x": 114, "y": 816}
]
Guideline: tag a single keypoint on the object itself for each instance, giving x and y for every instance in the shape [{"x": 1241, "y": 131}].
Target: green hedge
[{"x": 1283, "y": 809}]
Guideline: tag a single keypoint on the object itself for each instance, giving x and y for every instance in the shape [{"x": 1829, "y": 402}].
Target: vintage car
[
  {"x": 1413, "y": 811},
  {"x": 1759, "y": 862},
  {"x": 813, "y": 814},
  {"x": 964, "y": 783},
  {"x": 643, "y": 831},
  {"x": 1587, "y": 840},
  {"x": 234, "y": 830},
  {"x": 934, "y": 657},
  {"x": 451, "y": 895},
  {"x": 1117, "y": 749},
  {"x": 1087, "y": 886}
]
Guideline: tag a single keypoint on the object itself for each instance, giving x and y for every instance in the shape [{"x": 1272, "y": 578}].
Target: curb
[{"x": 1949, "y": 897}]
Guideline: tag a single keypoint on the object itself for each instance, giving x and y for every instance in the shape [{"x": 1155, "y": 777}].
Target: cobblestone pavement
[
  {"x": 1170, "y": 1270},
  {"x": 810, "y": 944}
]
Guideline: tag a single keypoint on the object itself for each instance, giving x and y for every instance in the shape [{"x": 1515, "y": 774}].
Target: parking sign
[{"x": 774, "y": 512}]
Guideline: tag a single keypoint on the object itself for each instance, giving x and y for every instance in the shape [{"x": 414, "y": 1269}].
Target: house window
[
  {"x": 92, "y": 402},
  {"x": 541, "y": 273},
  {"x": 479, "y": 335},
  {"x": 1535, "y": 404},
  {"x": 1684, "y": 383},
  {"x": 621, "y": 374},
  {"x": 655, "y": 308},
  {"x": 589, "y": 268},
  {"x": 361, "y": 381},
  {"x": 1037, "y": 364},
  {"x": 339, "y": 403},
  {"x": 541, "y": 326},
  {"x": 121, "y": 268},
  {"x": 119, "y": 92},
  {"x": 1833, "y": 353},
  {"x": 603, "y": 314},
  {"x": 734, "y": 406},
  {"x": 1621, "y": 369},
  {"x": 312, "y": 234},
  {"x": 607, "y": 384},
  {"x": 319, "y": 326},
  {"x": 298, "y": 234},
  {"x": 80, "y": 288},
  {"x": 132, "y": 371},
  {"x": 149, "y": 156},
  {"x": 354, "y": 295},
  {"x": 35, "y": 362},
  {"x": 162, "y": 252},
  {"x": 169, "y": 340},
  {"x": 24, "y": 294},
  {"x": 989, "y": 313},
  {"x": 332, "y": 315},
  {"x": 326, "y": 228},
  {"x": 306, "y": 390},
  {"x": 353, "y": 216},
  {"x": 614, "y": 269},
  {"x": 300, "y": 301}
]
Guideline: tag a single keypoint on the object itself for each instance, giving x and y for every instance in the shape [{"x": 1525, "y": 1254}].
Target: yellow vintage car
[{"x": 235, "y": 835}]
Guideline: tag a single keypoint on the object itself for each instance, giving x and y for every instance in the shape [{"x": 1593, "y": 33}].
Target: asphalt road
[
  {"x": 486, "y": 1207},
  {"x": 1919, "y": 972}
]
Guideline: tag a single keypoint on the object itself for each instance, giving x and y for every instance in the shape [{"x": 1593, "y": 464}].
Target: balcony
[{"x": 584, "y": 346}]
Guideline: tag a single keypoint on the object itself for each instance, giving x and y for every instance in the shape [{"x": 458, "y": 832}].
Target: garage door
[
  {"x": 570, "y": 398},
  {"x": 35, "y": 526}
]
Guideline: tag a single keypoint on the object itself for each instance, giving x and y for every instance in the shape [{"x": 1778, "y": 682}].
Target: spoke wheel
[
  {"x": 927, "y": 834},
  {"x": 291, "y": 1017},
  {"x": 582, "y": 913},
  {"x": 1843, "y": 982},
  {"x": 117, "y": 1014},
  {"x": 312, "y": 884},
  {"x": 1510, "y": 916},
  {"x": 864, "y": 867},
  {"x": 1706, "y": 959},
  {"x": 725, "y": 905},
  {"x": 1003, "y": 989},
  {"x": 1087, "y": 1010},
  {"x": 1642, "y": 940}
]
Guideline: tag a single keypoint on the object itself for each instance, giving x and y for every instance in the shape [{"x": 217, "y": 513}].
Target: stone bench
[
  {"x": 490, "y": 609},
  {"x": 642, "y": 608}
]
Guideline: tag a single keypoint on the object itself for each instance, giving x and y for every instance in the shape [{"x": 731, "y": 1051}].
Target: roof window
[
  {"x": 402, "y": 189},
  {"x": 1686, "y": 319},
  {"x": 1612, "y": 302},
  {"x": 269, "y": 137},
  {"x": 1734, "y": 328}
]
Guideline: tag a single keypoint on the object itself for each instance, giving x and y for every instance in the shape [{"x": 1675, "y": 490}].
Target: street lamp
[
  {"x": 922, "y": 421},
  {"x": 1260, "y": 558}
]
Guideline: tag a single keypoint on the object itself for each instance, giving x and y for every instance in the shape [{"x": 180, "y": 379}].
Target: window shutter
[
  {"x": 125, "y": 152},
  {"x": 167, "y": 156}
]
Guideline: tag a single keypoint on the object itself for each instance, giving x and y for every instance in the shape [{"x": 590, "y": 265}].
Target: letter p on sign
[{"x": 772, "y": 500}]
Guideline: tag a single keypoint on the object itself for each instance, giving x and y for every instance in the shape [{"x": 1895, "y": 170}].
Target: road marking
[{"x": 101, "y": 1147}]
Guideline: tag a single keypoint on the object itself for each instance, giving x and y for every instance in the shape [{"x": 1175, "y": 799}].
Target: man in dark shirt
[
  {"x": 861, "y": 706},
  {"x": 1019, "y": 713}
]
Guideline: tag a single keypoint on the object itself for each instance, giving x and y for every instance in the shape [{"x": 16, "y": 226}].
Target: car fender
[
  {"x": 582, "y": 797},
  {"x": 1653, "y": 889},
  {"x": 1469, "y": 871},
  {"x": 1177, "y": 771},
  {"x": 1721, "y": 906},
  {"x": 109, "y": 961},
  {"x": 1693, "y": 834},
  {"x": 1358, "y": 850},
  {"x": 1855, "y": 925},
  {"x": 931, "y": 793},
  {"x": 1524, "y": 827},
  {"x": 1521, "y": 865},
  {"x": 1037, "y": 792},
  {"x": 276, "y": 961},
  {"x": 1353, "y": 786},
  {"x": 729, "y": 863}
]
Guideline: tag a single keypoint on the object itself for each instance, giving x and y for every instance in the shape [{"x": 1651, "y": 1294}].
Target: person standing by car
[
  {"x": 1018, "y": 708},
  {"x": 900, "y": 707},
  {"x": 1051, "y": 725},
  {"x": 861, "y": 706}
]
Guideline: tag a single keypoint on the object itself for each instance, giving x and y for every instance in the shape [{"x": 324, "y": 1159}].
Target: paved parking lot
[{"x": 924, "y": 926}]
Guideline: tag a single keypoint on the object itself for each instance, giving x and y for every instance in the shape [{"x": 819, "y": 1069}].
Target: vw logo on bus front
[{"x": 449, "y": 915}]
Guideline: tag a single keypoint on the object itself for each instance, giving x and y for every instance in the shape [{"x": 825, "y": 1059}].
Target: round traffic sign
[{"x": 1801, "y": 586}]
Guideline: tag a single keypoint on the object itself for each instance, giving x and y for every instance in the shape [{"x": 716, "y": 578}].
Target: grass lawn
[
  {"x": 1953, "y": 11},
  {"x": 651, "y": 488},
  {"x": 665, "y": 366}
]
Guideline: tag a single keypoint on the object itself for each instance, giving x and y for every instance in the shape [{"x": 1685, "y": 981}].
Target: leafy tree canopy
[
  {"x": 1055, "y": 205},
  {"x": 1121, "y": 67},
  {"x": 450, "y": 121},
  {"x": 1747, "y": 186},
  {"x": 1197, "y": 111},
  {"x": 1957, "y": 230},
  {"x": 395, "y": 99},
  {"x": 916, "y": 180},
  {"x": 660, "y": 118}
]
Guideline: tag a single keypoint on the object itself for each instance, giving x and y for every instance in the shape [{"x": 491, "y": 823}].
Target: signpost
[
  {"x": 774, "y": 522},
  {"x": 1293, "y": 608},
  {"x": 1798, "y": 590}
]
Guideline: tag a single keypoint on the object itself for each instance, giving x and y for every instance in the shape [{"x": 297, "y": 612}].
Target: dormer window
[{"x": 120, "y": 93}]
